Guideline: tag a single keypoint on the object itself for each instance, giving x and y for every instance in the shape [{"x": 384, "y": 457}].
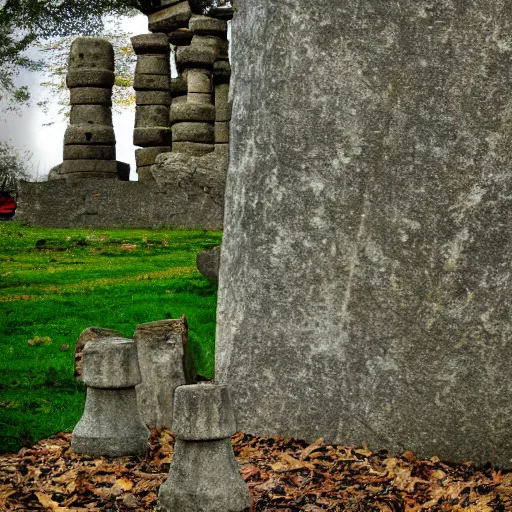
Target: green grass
[{"x": 56, "y": 282}]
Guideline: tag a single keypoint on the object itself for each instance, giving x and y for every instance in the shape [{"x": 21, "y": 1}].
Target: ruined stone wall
[{"x": 187, "y": 204}]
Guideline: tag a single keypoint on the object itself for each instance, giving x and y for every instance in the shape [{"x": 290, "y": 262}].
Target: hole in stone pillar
[
  {"x": 81, "y": 55},
  {"x": 88, "y": 136},
  {"x": 90, "y": 122}
]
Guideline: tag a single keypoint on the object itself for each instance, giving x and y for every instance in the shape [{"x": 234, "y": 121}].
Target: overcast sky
[{"x": 25, "y": 129}]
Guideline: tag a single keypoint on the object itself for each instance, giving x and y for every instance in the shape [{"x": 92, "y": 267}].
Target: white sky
[{"x": 25, "y": 129}]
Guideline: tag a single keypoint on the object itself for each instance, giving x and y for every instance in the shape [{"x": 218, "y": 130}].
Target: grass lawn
[{"x": 56, "y": 282}]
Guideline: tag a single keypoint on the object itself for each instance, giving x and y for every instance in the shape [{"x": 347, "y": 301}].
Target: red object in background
[{"x": 7, "y": 206}]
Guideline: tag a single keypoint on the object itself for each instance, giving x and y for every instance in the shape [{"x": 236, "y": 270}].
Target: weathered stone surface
[
  {"x": 102, "y": 357},
  {"x": 213, "y": 464},
  {"x": 88, "y": 174},
  {"x": 111, "y": 425},
  {"x": 205, "y": 25},
  {"x": 178, "y": 86},
  {"x": 153, "y": 65},
  {"x": 152, "y": 97},
  {"x": 203, "y": 412},
  {"x": 199, "y": 80},
  {"x": 150, "y": 43},
  {"x": 146, "y": 156},
  {"x": 151, "y": 82},
  {"x": 191, "y": 173},
  {"x": 192, "y": 132},
  {"x": 123, "y": 171},
  {"x": 161, "y": 357},
  {"x": 89, "y": 152},
  {"x": 188, "y": 195},
  {"x": 170, "y": 18},
  {"x": 89, "y": 134},
  {"x": 91, "y": 52},
  {"x": 204, "y": 475},
  {"x": 208, "y": 262},
  {"x": 221, "y": 133},
  {"x": 54, "y": 173},
  {"x": 192, "y": 148},
  {"x": 151, "y": 115},
  {"x": 198, "y": 97},
  {"x": 152, "y": 136},
  {"x": 89, "y": 78},
  {"x": 192, "y": 112},
  {"x": 366, "y": 251},
  {"x": 90, "y": 96},
  {"x": 180, "y": 37},
  {"x": 221, "y": 72},
  {"x": 87, "y": 335},
  {"x": 218, "y": 45},
  {"x": 144, "y": 174},
  {"x": 192, "y": 56},
  {"x": 222, "y": 103},
  {"x": 86, "y": 166},
  {"x": 179, "y": 99},
  {"x": 90, "y": 114}
]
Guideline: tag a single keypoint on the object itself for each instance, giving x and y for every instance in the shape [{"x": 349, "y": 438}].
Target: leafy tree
[
  {"x": 23, "y": 22},
  {"x": 14, "y": 165}
]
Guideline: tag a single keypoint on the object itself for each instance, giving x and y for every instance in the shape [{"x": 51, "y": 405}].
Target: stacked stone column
[
  {"x": 89, "y": 141},
  {"x": 152, "y": 85},
  {"x": 203, "y": 75}
]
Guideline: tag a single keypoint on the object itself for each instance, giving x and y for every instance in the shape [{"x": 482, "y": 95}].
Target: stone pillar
[
  {"x": 193, "y": 120},
  {"x": 89, "y": 141},
  {"x": 204, "y": 473},
  {"x": 111, "y": 424},
  {"x": 161, "y": 361},
  {"x": 152, "y": 98},
  {"x": 364, "y": 288}
]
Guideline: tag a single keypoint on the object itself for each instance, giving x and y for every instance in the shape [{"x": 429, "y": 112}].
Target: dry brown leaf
[
  {"x": 121, "y": 485},
  {"x": 47, "y": 502},
  {"x": 311, "y": 448}
]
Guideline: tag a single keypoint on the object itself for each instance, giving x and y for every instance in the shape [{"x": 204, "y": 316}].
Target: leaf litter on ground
[{"x": 282, "y": 475}]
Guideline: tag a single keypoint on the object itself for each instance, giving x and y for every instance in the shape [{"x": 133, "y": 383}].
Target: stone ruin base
[{"x": 183, "y": 191}]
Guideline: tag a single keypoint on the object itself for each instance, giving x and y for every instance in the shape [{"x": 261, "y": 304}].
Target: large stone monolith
[{"x": 365, "y": 271}]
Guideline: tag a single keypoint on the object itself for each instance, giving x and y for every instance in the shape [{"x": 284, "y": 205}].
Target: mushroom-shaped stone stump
[
  {"x": 111, "y": 424},
  {"x": 204, "y": 474}
]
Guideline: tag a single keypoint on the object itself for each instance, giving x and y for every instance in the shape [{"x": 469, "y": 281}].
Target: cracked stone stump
[
  {"x": 160, "y": 352},
  {"x": 364, "y": 288},
  {"x": 204, "y": 474},
  {"x": 111, "y": 424}
]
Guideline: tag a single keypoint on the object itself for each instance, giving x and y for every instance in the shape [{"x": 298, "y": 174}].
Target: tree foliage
[
  {"x": 23, "y": 22},
  {"x": 55, "y": 53},
  {"x": 14, "y": 165}
]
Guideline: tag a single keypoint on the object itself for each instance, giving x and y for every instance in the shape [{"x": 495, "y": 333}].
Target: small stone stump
[
  {"x": 111, "y": 424},
  {"x": 204, "y": 474},
  {"x": 208, "y": 262}
]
